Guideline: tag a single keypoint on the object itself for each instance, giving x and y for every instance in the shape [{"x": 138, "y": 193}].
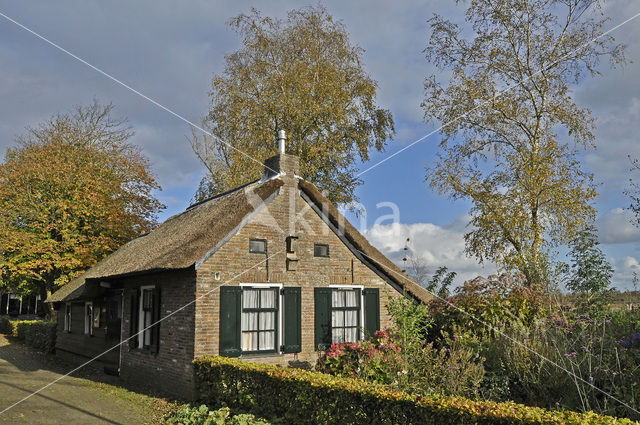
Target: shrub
[
  {"x": 377, "y": 359},
  {"x": 415, "y": 367},
  {"x": 201, "y": 415},
  {"x": 500, "y": 301},
  {"x": 5, "y": 325},
  {"x": 304, "y": 397},
  {"x": 601, "y": 352},
  {"x": 38, "y": 334}
]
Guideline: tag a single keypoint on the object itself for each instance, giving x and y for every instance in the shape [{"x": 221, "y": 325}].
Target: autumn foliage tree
[
  {"x": 72, "y": 191},
  {"x": 511, "y": 128},
  {"x": 302, "y": 75}
]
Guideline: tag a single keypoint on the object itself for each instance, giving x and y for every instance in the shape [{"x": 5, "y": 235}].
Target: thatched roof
[
  {"x": 179, "y": 242},
  {"x": 184, "y": 239},
  {"x": 362, "y": 246}
]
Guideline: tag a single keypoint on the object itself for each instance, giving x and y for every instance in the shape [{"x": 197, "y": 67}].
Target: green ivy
[
  {"x": 304, "y": 397},
  {"x": 201, "y": 415}
]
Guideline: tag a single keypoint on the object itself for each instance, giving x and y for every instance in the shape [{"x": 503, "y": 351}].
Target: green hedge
[
  {"x": 303, "y": 397},
  {"x": 6, "y": 326},
  {"x": 38, "y": 334}
]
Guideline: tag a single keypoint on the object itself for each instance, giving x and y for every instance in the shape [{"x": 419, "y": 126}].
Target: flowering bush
[
  {"x": 377, "y": 359},
  {"x": 400, "y": 358}
]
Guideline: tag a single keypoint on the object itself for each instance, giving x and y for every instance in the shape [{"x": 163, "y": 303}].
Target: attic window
[
  {"x": 320, "y": 250},
  {"x": 258, "y": 246}
]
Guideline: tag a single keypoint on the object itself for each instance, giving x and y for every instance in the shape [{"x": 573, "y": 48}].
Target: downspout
[{"x": 121, "y": 330}]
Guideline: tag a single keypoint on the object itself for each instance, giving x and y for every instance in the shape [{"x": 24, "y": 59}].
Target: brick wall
[
  {"x": 170, "y": 370},
  {"x": 76, "y": 345},
  {"x": 235, "y": 264}
]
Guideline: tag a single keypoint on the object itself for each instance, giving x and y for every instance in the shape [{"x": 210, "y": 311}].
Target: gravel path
[{"x": 72, "y": 400}]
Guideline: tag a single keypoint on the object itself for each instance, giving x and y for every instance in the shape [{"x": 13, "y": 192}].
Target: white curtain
[
  {"x": 337, "y": 318},
  {"x": 351, "y": 298},
  {"x": 337, "y": 298},
  {"x": 337, "y": 335},
  {"x": 351, "y": 334},
  {"x": 267, "y": 340},
  {"x": 250, "y": 298},
  {"x": 267, "y": 320},
  {"x": 249, "y": 341},
  {"x": 268, "y": 299},
  {"x": 258, "y": 328},
  {"x": 346, "y": 321}
]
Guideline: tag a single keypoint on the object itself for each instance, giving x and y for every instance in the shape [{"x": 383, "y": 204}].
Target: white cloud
[
  {"x": 436, "y": 245},
  {"x": 624, "y": 269},
  {"x": 615, "y": 227}
]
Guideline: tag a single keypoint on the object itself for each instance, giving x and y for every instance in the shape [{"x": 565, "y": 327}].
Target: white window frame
[
  {"x": 361, "y": 288},
  {"x": 280, "y": 314},
  {"x": 141, "y": 326},
  {"x": 67, "y": 317},
  {"x": 88, "y": 322}
]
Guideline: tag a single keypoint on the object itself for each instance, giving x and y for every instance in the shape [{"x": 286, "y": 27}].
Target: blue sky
[{"x": 170, "y": 51}]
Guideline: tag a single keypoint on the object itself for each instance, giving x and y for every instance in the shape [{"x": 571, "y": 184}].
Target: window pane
[
  {"x": 337, "y": 318},
  {"x": 268, "y": 298},
  {"x": 351, "y": 334},
  {"x": 351, "y": 318},
  {"x": 267, "y": 321},
  {"x": 337, "y": 298},
  {"x": 250, "y": 321},
  {"x": 147, "y": 300},
  {"x": 351, "y": 297},
  {"x": 257, "y": 246},
  {"x": 249, "y": 341},
  {"x": 320, "y": 250},
  {"x": 250, "y": 298},
  {"x": 267, "y": 340},
  {"x": 336, "y": 335}
]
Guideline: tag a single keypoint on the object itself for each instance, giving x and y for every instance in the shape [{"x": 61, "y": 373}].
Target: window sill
[
  {"x": 145, "y": 351},
  {"x": 255, "y": 354}
]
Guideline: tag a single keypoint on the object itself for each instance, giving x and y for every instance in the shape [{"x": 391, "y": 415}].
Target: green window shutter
[
  {"x": 322, "y": 298},
  {"x": 371, "y": 311},
  {"x": 230, "y": 311},
  {"x": 133, "y": 321},
  {"x": 155, "y": 317},
  {"x": 292, "y": 320}
]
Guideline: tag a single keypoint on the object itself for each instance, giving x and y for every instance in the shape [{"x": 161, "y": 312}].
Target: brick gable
[{"x": 287, "y": 215}]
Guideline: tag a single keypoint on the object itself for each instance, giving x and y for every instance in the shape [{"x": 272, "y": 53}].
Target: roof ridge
[{"x": 220, "y": 195}]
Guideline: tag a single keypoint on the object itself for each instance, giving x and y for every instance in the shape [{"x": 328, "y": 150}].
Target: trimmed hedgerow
[
  {"x": 303, "y": 397},
  {"x": 6, "y": 326},
  {"x": 38, "y": 334}
]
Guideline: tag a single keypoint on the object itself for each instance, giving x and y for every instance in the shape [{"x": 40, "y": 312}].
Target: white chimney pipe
[{"x": 281, "y": 139}]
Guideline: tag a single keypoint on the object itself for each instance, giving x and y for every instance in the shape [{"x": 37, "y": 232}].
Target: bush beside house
[
  {"x": 304, "y": 397},
  {"x": 38, "y": 334}
]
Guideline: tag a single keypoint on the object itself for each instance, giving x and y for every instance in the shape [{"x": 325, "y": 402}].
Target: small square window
[
  {"x": 258, "y": 246},
  {"x": 320, "y": 250}
]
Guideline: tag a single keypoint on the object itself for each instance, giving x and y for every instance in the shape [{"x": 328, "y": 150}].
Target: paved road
[{"x": 70, "y": 401}]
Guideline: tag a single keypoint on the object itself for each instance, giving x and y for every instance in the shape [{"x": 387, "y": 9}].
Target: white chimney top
[{"x": 281, "y": 139}]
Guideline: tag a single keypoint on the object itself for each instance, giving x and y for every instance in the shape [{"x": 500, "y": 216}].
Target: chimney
[
  {"x": 282, "y": 137},
  {"x": 281, "y": 163}
]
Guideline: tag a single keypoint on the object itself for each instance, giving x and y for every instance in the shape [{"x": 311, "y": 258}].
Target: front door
[{"x": 113, "y": 323}]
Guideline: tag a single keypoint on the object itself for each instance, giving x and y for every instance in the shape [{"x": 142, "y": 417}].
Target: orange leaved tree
[{"x": 72, "y": 191}]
